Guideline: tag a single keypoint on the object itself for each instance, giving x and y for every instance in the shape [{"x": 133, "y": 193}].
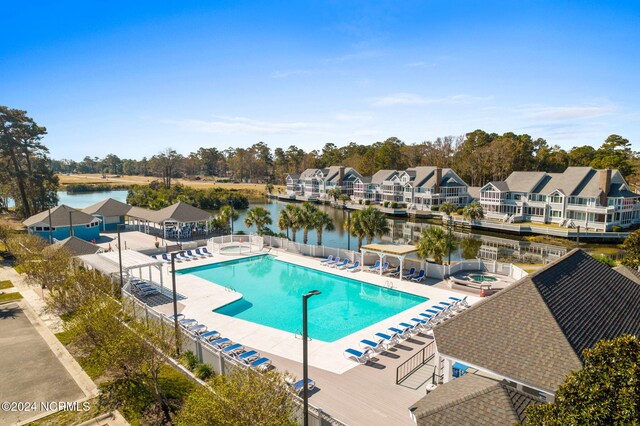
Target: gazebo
[
  {"x": 399, "y": 251},
  {"x": 180, "y": 218},
  {"x": 109, "y": 264}
]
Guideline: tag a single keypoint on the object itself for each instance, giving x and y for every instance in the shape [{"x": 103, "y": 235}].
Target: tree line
[
  {"x": 478, "y": 157},
  {"x": 25, "y": 172}
]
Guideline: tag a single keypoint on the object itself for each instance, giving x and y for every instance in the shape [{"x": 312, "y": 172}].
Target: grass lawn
[
  {"x": 8, "y": 297},
  {"x": 5, "y": 284},
  {"x": 19, "y": 269},
  {"x": 65, "y": 337}
]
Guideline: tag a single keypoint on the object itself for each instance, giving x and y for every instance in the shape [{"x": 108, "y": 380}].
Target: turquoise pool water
[{"x": 272, "y": 295}]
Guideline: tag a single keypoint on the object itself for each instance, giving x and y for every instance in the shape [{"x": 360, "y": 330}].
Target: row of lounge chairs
[
  {"x": 143, "y": 288},
  {"x": 339, "y": 263},
  {"x": 187, "y": 255},
  {"x": 422, "y": 322}
]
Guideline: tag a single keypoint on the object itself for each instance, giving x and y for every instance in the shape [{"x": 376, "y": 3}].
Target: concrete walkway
[{"x": 34, "y": 365}]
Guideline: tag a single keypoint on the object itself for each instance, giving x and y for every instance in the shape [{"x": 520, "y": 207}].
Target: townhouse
[
  {"x": 317, "y": 183},
  {"x": 580, "y": 196}
]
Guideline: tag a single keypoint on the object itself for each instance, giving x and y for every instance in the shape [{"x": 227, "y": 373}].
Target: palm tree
[
  {"x": 258, "y": 216},
  {"x": 307, "y": 212},
  {"x": 322, "y": 221},
  {"x": 295, "y": 214},
  {"x": 448, "y": 208},
  {"x": 434, "y": 242},
  {"x": 269, "y": 187},
  {"x": 374, "y": 223},
  {"x": 334, "y": 193},
  {"x": 286, "y": 219},
  {"x": 473, "y": 211},
  {"x": 226, "y": 215},
  {"x": 354, "y": 227}
]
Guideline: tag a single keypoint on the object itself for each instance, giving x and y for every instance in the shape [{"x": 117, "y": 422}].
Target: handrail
[{"x": 405, "y": 369}]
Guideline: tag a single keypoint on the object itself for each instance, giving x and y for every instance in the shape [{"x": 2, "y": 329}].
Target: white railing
[{"x": 219, "y": 362}]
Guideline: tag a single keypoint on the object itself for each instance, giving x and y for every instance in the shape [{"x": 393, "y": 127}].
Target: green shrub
[
  {"x": 435, "y": 208},
  {"x": 189, "y": 360},
  {"x": 616, "y": 228},
  {"x": 367, "y": 202},
  {"x": 203, "y": 371},
  {"x": 385, "y": 204},
  {"x": 606, "y": 260},
  {"x": 394, "y": 205},
  {"x": 460, "y": 211},
  {"x": 360, "y": 201}
]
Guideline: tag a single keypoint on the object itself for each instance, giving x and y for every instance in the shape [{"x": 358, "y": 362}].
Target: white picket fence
[{"x": 431, "y": 269}]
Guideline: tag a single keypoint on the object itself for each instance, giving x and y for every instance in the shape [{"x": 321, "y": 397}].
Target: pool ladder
[
  {"x": 388, "y": 284},
  {"x": 229, "y": 288},
  {"x": 298, "y": 335}
]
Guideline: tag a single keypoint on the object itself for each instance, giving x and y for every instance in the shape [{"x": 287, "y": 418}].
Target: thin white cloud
[
  {"x": 568, "y": 112},
  {"x": 365, "y": 54},
  {"x": 403, "y": 98},
  {"x": 245, "y": 125}
]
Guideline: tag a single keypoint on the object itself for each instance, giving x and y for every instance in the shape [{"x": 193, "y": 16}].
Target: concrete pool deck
[{"x": 202, "y": 297}]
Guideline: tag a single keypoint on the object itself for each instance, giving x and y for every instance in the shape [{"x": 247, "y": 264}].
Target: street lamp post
[
  {"x": 450, "y": 225},
  {"x": 305, "y": 356},
  {"x": 175, "y": 302},
  {"x": 578, "y": 237},
  {"x": 120, "y": 255}
]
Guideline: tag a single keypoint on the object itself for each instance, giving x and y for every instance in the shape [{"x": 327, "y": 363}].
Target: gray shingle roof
[
  {"x": 535, "y": 330},
  {"x": 60, "y": 217},
  {"x": 473, "y": 400},
  {"x": 108, "y": 208},
  {"x": 500, "y": 185},
  {"x": 382, "y": 175},
  {"x": 632, "y": 274},
  {"x": 77, "y": 246},
  {"x": 524, "y": 181},
  {"x": 179, "y": 212}
]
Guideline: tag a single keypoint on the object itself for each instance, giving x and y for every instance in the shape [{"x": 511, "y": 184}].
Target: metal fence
[
  {"x": 425, "y": 355},
  {"x": 219, "y": 362}
]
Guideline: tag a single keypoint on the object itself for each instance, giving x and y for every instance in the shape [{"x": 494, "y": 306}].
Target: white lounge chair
[{"x": 361, "y": 357}]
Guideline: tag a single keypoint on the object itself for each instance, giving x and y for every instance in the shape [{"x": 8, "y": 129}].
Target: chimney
[
  {"x": 340, "y": 176},
  {"x": 605, "y": 185},
  {"x": 436, "y": 186}
]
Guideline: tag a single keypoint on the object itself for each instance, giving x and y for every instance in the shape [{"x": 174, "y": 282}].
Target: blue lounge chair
[
  {"x": 460, "y": 303},
  {"x": 375, "y": 265},
  {"x": 179, "y": 316},
  {"x": 342, "y": 264},
  {"x": 395, "y": 273},
  {"x": 188, "y": 322},
  {"x": 194, "y": 256},
  {"x": 167, "y": 259},
  {"x": 182, "y": 255},
  {"x": 353, "y": 267},
  {"x": 261, "y": 363},
  {"x": 375, "y": 346},
  {"x": 412, "y": 271},
  {"x": 413, "y": 328},
  {"x": 388, "y": 339},
  {"x": 333, "y": 262},
  {"x": 221, "y": 343},
  {"x": 207, "y": 252},
  {"x": 203, "y": 254},
  {"x": 422, "y": 323},
  {"x": 419, "y": 277},
  {"x": 210, "y": 335},
  {"x": 385, "y": 267},
  {"x": 298, "y": 386},
  {"x": 361, "y": 357},
  {"x": 232, "y": 349},
  {"x": 403, "y": 333},
  {"x": 198, "y": 329},
  {"x": 327, "y": 260},
  {"x": 144, "y": 292},
  {"x": 153, "y": 256},
  {"x": 248, "y": 356},
  {"x": 445, "y": 304}
]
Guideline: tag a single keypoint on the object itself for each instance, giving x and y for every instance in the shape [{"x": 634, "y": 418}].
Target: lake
[{"x": 469, "y": 244}]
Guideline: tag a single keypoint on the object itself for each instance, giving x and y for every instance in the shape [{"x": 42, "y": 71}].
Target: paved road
[{"x": 29, "y": 370}]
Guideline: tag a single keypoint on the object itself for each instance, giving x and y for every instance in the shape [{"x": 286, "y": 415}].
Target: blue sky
[{"x": 133, "y": 78}]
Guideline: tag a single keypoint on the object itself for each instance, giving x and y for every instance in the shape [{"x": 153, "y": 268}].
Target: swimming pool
[{"x": 272, "y": 295}]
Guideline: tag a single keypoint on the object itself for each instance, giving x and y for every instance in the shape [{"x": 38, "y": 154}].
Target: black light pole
[
  {"x": 305, "y": 356},
  {"x": 450, "y": 225},
  {"x": 175, "y": 302},
  {"x": 70, "y": 224},
  {"x": 578, "y": 237},
  {"x": 120, "y": 255}
]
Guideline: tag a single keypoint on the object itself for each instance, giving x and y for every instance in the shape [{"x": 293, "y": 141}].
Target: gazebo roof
[
  {"x": 108, "y": 207},
  {"x": 178, "y": 212},
  {"x": 392, "y": 249},
  {"x": 131, "y": 259}
]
